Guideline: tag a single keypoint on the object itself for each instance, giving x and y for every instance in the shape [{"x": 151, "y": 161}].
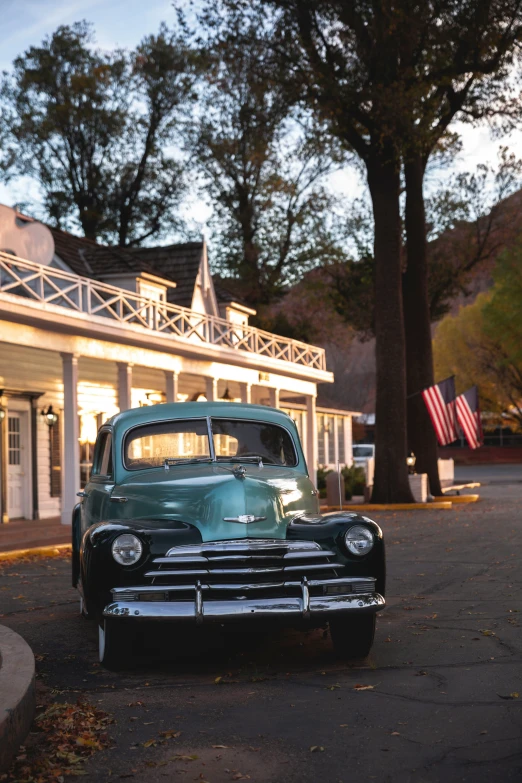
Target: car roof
[{"x": 191, "y": 410}]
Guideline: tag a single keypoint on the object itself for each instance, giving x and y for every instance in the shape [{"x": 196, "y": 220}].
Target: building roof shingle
[{"x": 179, "y": 263}]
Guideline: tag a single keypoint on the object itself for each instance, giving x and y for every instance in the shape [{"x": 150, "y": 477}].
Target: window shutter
[{"x": 55, "y": 454}]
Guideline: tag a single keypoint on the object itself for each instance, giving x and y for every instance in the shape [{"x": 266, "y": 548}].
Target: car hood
[{"x": 209, "y": 496}]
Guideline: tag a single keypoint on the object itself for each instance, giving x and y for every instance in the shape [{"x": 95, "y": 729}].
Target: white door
[{"x": 17, "y": 455}]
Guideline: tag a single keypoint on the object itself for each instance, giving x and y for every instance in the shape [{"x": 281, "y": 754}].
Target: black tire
[
  {"x": 352, "y": 637},
  {"x": 115, "y": 645}
]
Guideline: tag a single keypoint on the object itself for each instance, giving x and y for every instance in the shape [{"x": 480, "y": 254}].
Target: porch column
[
  {"x": 311, "y": 436},
  {"x": 124, "y": 385},
  {"x": 245, "y": 390},
  {"x": 348, "y": 440},
  {"x": 211, "y": 391},
  {"x": 172, "y": 385},
  {"x": 3, "y": 462},
  {"x": 71, "y": 435},
  {"x": 273, "y": 396}
]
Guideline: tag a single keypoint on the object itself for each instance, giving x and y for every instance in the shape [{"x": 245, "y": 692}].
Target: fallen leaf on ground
[
  {"x": 316, "y": 749},
  {"x": 216, "y": 747},
  {"x": 363, "y": 687},
  {"x": 150, "y": 743},
  {"x": 487, "y": 632},
  {"x": 184, "y": 758},
  {"x": 65, "y": 736},
  {"x": 170, "y": 734}
]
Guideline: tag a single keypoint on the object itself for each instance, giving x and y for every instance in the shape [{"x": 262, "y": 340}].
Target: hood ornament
[
  {"x": 245, "y": 519},
  {"x": 240, "y": 472}
]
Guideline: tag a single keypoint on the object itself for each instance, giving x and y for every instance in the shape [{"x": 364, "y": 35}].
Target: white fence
[{"x": 81, "y": 294}]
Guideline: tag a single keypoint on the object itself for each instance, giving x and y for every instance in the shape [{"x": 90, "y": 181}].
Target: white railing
[{"x": 83, "y": 295}]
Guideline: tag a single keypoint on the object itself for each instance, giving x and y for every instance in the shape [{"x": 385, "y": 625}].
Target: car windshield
[
  {"x": 149, "y": 446},
  {"x": 363, "y": 451},
  {"x": 235, "y": 439},
  {"x": 157, "y": 444}
]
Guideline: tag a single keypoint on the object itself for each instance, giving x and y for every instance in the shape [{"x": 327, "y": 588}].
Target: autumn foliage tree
[{"x": 482, "y": 343}]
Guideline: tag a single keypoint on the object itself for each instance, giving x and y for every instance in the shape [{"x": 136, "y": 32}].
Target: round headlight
[
  {"x": 127, "y": 549},
  {"x": 358, "y": 540}
]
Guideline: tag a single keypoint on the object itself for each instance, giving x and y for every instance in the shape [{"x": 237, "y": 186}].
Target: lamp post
[{"x": 410, "y": 462}]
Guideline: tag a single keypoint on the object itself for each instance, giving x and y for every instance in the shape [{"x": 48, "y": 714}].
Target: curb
[
  {"x": 37, "y": 550},
  {"x": 17, "y": 694},
  {"x": 436, "y": 505},
  {"x": 460, "y": 498}
]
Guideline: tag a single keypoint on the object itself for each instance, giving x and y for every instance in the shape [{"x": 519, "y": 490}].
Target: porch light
[
  {"x": 410, "y": 462},
  {"x": 2, "y": 413},
  {"x": 50, "y": 416},
  {"x": 226, "y": 397}
]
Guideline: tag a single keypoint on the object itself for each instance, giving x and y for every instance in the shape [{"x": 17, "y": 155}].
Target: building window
[
  {"x": 340, "y": 439},
  {"x": 320, "y": 440},
  {"x": 331, "y": 439},
  {"x": 13, "y": 438}
]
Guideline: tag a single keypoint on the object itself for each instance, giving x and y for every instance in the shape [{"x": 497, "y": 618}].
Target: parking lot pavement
[
  {"x": 489, "y": 474},
  {"x": 440, "y": 698}
]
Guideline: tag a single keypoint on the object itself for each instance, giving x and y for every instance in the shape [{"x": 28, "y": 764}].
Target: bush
[
  {"x": 354, "y": 481},
  {"x": 322, "y": 473}
]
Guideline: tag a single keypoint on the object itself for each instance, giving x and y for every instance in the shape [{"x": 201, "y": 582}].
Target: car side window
[{"x": 102, "y": 465}]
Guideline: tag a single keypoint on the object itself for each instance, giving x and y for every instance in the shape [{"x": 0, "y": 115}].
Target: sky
[{"x": 123, "y": 23}]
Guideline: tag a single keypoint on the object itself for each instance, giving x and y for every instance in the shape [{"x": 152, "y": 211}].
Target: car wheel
[
  {"x": 114, "y": 645},
  {"x": 353, "y": 637}
]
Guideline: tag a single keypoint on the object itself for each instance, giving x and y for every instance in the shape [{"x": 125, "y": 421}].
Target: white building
[{"x": 87, "y": 330}]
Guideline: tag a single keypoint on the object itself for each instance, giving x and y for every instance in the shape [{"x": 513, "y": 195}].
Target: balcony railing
[{"x": 83, "y": 295}]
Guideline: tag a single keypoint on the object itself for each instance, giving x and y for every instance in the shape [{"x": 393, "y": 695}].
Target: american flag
[
  {"x": 468, "y": 415},
  {"x": 440, "y": 402}
]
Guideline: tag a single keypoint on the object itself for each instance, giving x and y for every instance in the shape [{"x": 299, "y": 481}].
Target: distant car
[
  {"x": 205, "y": 512},
  {"x": 361, "y": 452}
]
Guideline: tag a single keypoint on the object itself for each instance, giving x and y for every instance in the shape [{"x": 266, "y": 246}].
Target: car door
[{"x": 97, "y": 492}]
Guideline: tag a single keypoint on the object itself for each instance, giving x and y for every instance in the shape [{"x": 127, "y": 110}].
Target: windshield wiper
[
  {"x": 184, "y": 461},
  {"x": 251, "y": 458}
]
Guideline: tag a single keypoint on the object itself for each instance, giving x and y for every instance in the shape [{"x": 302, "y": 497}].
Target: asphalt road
[{"x": 444, "y": 671}]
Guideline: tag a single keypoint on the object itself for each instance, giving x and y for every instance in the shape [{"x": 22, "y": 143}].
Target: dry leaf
[
  {"x": 216, "y": 747},
  {"x": 316, "y": 749},
  {"x": 363, "y": 687},
  {"x": 170, "y": 734},
  {"x": 487, "y": 632},
  {"x": 184, "y": 758},
  {"x": 395, "y": 734},
  {"x": 218, "y": 680},
  {"x": 150, "y": 743}
]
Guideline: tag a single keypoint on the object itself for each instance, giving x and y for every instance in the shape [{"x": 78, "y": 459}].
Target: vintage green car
[{"x": 205, "y": 512}]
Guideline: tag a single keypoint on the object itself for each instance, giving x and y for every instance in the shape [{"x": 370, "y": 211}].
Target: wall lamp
[{"x": 50, "y": 416}]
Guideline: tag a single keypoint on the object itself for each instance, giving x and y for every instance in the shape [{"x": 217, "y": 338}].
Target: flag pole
[{"x": 409, "y": 396}]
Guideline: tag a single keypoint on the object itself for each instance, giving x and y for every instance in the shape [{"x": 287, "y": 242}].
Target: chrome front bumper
[{"x": 304, "y": 607}]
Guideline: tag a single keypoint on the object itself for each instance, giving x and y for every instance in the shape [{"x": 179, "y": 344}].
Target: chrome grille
[
  {"x": 260, "y": 567},
  {"x": 258, "y": 561}
]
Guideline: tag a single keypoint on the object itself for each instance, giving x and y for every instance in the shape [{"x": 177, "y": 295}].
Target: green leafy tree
[
  {"x": 93, "y": 128},
  {"x": 263, "y": 165}
]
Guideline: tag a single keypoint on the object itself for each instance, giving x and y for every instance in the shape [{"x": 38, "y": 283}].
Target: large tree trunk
[
  {"x": 417, "y": 325},
  {"x": 391, "y": 483}
]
